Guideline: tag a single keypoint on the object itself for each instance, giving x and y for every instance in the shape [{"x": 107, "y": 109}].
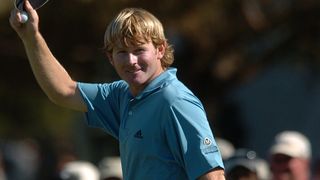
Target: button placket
[{"x": 131, "y": 104}]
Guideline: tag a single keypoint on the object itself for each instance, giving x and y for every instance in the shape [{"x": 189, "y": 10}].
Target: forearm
[{"x": 49, "y": 73}]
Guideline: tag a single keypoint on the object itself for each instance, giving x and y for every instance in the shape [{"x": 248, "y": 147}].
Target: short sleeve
[
  {"x": 102, "y": 101},
  {"x": 190, "y": 138}
]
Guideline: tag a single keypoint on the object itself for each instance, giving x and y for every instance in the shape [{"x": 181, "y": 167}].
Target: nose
[{"x": 132, "y": 59}]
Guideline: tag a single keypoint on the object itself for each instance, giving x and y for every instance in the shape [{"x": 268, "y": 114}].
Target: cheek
[
  {"x": 143, "y": 60},
  {"x": 296, "y": 164},
  {"x": 148, "y": 57},
  {"x": 118, "y": 60}
]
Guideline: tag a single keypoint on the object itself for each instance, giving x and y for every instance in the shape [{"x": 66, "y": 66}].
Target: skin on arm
[
  {"x": 215, "y": 174},
  {"x": 49, "y": 73}
]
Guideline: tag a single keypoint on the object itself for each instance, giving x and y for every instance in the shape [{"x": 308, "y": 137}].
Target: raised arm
[{"x": 51, "y": 76}]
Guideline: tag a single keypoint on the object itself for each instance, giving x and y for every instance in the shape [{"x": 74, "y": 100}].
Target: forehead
[
  {"x": 127, "y": 44},
  {"x": 280, "y": 158}
]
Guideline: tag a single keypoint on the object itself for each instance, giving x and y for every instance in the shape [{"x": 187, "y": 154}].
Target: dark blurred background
[{"x": 253, "y": 63}]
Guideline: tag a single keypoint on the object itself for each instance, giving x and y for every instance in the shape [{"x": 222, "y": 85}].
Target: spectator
[
  {"x": 22, "y": 159},
  {"x": 290, "y": 156},
  {"x": 2, "y": 169},
  {"x": 246, "y": 165}
]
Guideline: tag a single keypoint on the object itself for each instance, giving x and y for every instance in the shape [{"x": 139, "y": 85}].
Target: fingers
[
  {"x": 18, "y": 17},
  {"x": 15, "y": 18},
  {"x": 17, "y": 21}
]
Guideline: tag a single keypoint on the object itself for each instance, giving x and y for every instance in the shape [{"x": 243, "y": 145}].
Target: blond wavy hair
[{"x": 136, "y": 26}]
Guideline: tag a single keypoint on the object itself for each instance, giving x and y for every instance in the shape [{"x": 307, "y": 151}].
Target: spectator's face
[
  {"x": 284, "y": 167},
  {"x": 241, "y": 173}
]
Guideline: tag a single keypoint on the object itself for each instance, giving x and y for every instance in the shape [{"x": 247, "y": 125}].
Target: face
[
  {"x": 137, "y": 65},
  {"x": 242, "y": 173},
  {"x": 287, "y": 168}
]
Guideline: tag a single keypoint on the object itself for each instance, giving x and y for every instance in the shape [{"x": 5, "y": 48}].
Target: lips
[{"x": 133, "y": 70}]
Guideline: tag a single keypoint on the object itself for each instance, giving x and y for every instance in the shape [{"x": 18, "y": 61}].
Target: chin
[{"x": 136, "y": 82}]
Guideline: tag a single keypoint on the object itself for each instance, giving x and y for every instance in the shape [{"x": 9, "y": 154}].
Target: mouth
[{"x": 133, "y": 71}]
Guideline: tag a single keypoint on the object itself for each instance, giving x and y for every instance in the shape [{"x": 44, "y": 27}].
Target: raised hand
[{"x": 28, "y": 29}]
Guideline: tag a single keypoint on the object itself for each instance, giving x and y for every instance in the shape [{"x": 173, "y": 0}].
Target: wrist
[{"x": 32, "y": 40}]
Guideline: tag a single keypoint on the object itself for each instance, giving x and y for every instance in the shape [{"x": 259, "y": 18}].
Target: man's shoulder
[
  {"x": 115, "y": 85},
  {"x": 120, "y": 84},
  {"x": 176, "y": 90},
  {"x": 104, "y": 89}
]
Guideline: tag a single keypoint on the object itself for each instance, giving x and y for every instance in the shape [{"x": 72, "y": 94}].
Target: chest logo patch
[{"x": 138, "y": 134}]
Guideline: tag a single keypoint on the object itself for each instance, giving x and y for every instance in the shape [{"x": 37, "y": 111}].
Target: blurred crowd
[
  {"x": 289, "y": 158},
  {"x": 22, "y": 160}
]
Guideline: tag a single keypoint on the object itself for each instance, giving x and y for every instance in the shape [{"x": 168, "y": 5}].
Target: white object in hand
[{"x": 24, "y": 16}]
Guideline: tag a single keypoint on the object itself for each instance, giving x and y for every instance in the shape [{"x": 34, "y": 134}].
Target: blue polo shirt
[{"x": 163, "y": 132}]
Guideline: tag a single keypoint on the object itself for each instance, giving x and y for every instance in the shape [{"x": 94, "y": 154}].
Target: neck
[{"x": 135, "y": 90}]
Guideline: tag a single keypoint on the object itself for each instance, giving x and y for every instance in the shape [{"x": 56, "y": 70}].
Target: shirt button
[{"x": 130, "y": 113}]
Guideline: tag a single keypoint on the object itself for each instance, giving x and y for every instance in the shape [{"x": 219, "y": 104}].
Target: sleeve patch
[{"x": 208, "y": 146}]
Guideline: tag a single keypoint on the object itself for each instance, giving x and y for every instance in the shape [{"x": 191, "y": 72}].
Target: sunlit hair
[{"x": 135, "y": 26}]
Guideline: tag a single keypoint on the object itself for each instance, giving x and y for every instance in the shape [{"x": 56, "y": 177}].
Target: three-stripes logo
[{"x": 138, "y": 134}]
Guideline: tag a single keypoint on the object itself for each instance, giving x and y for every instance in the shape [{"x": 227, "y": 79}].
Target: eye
[
  {"x": 120, "y": 51},
  {"x": 139, "y": 50}
]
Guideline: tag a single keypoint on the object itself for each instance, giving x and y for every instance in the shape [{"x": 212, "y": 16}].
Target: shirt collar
[{"x": 159, "y": 82}]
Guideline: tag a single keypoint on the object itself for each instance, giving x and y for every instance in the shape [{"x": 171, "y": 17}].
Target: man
[
  {"x": 290, "y": 156},
  {"x": 161, "y": 126}
]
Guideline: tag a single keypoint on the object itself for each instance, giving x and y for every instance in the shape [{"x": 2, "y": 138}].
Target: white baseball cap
[
  {"x": 293, "y": 144},
  {"x": 226, "y": 148},
  {"x": 110, "y": 167},
  {"x": 80, "y": 170}
]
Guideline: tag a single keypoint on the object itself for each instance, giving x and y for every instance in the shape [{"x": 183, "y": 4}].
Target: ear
[
  {"x": 161, "y": 50},
  {"x": 109, "y": 55}
]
